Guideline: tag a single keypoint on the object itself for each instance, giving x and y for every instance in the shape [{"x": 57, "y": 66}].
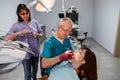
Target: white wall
[
  {"x": 84, "y": 7},
  {"x": 106, "y": 22},
  {"x": 8, "y": 13}
]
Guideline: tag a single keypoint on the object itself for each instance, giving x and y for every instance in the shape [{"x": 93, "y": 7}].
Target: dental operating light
[{"x": 42, "y": 5}]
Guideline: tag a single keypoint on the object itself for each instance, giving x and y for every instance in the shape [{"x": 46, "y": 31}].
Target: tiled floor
[{"x": 108, "y": 66}]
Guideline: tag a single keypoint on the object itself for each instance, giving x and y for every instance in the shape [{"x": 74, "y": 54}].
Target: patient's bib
[{"x": 63, "y": 71}]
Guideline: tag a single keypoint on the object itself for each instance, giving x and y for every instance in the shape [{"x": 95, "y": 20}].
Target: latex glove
[{"x": 66, "y": 55}]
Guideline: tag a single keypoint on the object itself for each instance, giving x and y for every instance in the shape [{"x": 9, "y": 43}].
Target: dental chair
[
  {"x": 82, "y": 38},
  {"x": 44, "y": 76}
]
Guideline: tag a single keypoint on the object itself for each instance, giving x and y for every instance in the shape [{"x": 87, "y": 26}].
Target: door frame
[{"x": 117, "y": 40}]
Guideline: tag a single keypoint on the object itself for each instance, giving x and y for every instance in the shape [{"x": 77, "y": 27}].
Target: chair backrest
[
  {"x": 42, "y": 69},
  {"x": 44, "y": 76}
]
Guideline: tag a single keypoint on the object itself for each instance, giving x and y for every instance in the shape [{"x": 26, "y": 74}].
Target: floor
[{"x": 108, "y": 66}]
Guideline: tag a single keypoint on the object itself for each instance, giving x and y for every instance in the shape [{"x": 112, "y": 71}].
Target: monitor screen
[{"x": 61, "y": 15}]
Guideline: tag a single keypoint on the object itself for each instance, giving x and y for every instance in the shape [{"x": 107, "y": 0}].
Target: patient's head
[
  {"x": 89, "y": 69},
  {"x": 78, "y": 58}
]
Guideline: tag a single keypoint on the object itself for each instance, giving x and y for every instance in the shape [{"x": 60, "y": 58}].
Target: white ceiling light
[{"x": 42, "y": 5}]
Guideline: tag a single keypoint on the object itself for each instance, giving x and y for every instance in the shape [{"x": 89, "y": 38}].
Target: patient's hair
[{"x": 89, "y": 69}]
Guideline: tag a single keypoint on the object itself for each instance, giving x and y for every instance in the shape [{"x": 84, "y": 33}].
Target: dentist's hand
[{"x": 66, "y": 55}]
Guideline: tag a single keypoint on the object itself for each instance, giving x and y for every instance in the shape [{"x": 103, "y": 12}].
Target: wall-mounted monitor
[{"x": 61, "y": 15}]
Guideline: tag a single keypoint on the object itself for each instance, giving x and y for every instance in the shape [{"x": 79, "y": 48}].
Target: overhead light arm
[
  {"x": 63, "y": 7},
  {"x": 32, "y": 3}
]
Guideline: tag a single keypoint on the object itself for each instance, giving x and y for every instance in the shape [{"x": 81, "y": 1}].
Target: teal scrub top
[{"x": 52, "y": 47}]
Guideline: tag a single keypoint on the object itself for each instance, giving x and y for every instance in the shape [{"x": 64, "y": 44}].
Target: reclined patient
[
  {"x": 88, "y": 70},
  {"x": 79, "y": 62}
]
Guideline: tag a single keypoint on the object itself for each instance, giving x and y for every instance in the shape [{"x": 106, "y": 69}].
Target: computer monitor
[{"x": 61, "y": 15}]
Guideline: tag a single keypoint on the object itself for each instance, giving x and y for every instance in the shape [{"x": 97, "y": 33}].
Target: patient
[
  {"x": 67, "y": 71},
  {"x": 88, "y": 71}
]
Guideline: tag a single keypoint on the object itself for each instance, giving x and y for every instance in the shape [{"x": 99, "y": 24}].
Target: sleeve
[
  {"x": 71, "y": 46},
  {"x": 13, "y": 29},
  {"x": 39, "y": 29},
  {"x": 47, "y": 50}
]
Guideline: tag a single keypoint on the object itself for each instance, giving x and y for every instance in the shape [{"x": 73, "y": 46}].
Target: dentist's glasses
[{"x": 65, "y": 30}]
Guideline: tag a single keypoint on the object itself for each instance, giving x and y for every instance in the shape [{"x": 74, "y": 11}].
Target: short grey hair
[{"x": 65, "y": 19}]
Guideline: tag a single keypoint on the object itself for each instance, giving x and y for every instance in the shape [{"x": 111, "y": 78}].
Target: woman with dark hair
[
  {"x": 28, "y": 31},
  {"x": 88, "y": 71},
  {"x": 22, "y": 7}
]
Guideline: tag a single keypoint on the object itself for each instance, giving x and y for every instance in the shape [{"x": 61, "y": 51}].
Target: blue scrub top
[{"x": 53, "y": 47}]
